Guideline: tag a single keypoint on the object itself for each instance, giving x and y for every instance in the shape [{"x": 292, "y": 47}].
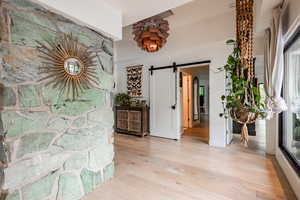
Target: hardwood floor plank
[{"x": 159, "y": 169}]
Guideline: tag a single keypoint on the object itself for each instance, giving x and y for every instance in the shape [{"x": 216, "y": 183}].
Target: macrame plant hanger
[{"x": 244, "y": 38}]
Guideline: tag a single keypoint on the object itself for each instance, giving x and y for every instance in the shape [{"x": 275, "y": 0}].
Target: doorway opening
[{"x": 194, "y": 87}]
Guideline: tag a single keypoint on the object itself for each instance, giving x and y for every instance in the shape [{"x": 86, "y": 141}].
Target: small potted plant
[{"x": 122, "y": 99}]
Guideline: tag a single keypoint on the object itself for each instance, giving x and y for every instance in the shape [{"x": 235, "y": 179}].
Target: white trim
[
  {"x": 291, "y": 31},
  {"x": 289, "y": 172}
]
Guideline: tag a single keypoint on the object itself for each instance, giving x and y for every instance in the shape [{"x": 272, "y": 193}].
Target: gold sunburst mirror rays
[{"x": 68, "y": 65}]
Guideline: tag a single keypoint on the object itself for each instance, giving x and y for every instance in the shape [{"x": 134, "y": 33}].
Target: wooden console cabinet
[{"x": 132, "y": 120}]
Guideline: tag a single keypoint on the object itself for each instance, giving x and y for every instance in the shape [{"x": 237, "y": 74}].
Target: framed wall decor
[
  {"x": 68, "y": 65},
  {"x": 134, "y": 81}
]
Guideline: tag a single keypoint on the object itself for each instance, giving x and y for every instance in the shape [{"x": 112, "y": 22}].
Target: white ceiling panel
[{"x": 136, "y": 10}]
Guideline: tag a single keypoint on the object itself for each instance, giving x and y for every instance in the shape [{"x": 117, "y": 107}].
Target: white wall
[
  {"x": 192, "y": 38},
  {"x": 293, "y": 11},
  {"x": 201, "y": 40},
  {"x": 96, "y": 14}
]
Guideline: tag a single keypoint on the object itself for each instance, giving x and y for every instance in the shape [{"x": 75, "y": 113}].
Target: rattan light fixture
[
  {"x": 68, "y": 65},
  {"x": 151, "y": 34}
]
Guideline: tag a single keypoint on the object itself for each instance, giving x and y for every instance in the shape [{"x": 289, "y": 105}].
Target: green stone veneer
[
  {"x": 17, "y": 123},
  {"x": 90, "y": 180},
  {"x": 28, "y": 96},
  {"x": 69, "y": 187},
  {"x": 109, "y": 171},
  {"x": 40, "y": 189},
  {"x": 33, "y": 143},
  {"x": 76, "y": 162},
  {"x": 8, "y": 97},
  {"x": 58, "y": 149},
  {"x": 13, "y": 196},
  {"x": 88, "y": 100}
]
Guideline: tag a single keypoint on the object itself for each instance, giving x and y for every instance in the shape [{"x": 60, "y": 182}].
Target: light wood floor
[
  {"x": 159, "y": 169},
  {"x": 200, "y": 131}
]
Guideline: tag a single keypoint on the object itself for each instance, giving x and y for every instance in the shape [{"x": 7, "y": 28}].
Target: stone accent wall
[{"x": 55, "y": 148}]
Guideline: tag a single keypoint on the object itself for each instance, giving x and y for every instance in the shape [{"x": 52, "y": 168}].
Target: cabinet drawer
[
  {"x": 122, "y": 124},
  {"x": 134, "y": 115},
  {"x": 134, "y": 126},
  {"x": 122, "y": 114}
]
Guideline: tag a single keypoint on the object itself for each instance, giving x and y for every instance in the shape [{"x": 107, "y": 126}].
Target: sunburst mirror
[{"x": 68, "y": 65}]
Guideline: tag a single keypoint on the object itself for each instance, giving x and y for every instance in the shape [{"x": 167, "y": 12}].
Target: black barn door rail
[{"x": 175, "y": 66}]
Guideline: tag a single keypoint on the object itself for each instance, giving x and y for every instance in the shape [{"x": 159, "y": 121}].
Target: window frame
[{"x": 288, "y": 155}]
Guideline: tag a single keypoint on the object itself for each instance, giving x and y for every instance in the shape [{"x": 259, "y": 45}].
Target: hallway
[
  {"x": 158, "y": 169},
  {"x": 200, "y": 131}
]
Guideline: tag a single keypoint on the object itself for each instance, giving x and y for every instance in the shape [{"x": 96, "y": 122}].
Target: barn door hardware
[
  {"x": 151, "y": 70},
  {"x": 174, "y": 66},
  {"x": 175, "y": 73},
  {"x": 180, "y": 65}
]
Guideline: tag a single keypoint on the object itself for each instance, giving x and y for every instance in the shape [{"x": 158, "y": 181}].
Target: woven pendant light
[{"x": 151, "y": 34}]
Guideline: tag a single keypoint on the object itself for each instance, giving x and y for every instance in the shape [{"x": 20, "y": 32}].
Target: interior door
[
  {"x": 186, "y": 100},
  {"x": 163, "y": 118}
]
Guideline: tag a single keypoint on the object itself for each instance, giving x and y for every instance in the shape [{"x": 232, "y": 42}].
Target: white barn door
[{"x": 164, "y": 120}]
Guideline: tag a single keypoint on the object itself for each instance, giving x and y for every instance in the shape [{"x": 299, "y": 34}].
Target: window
[
  {"x": 201, "y": 91},
  {"x": 290, "y": 119}
]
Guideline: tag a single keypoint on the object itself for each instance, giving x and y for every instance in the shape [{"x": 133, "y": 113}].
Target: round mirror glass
[{"x": 73, "y": 66}]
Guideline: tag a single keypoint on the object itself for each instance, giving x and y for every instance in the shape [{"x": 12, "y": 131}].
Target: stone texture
[
  {"x": 88, "y": 100},
  {"x": 103, "y": 47},
  {"x": 8, "y": 96},
  {"x": 69, "y": 187},
  {"x": 27, "y": 33},
  {"x": 51, "y": 96},
  {"x": 25, "y": 5},
  {"x": 20, "y": 64},
  {"x": 77, "y": 161},
  {"x": 100, "y": 157},
  {"x": 103, "y": 116},
  {"x": 17, "y": 123},
  {"x": 13, "y": 196},
  {"x": 90, "y": 180},
  {"x": 79, "y": 122},
  {"x": 58, "y": 124},
  {"x": 34, "y": 18},
  {"x": 105, "y": 62},
  {"x": 25, "y": 171},
  {"x": 106, "y": 81},
  {"x": 34, "y": 143},
  {"x": 28, "y": 96},
  {"x": 40, "y": 189},
  {"x": 80, "y": 144},
  {"x": 109, "y": 171},
  {"x": 77, "y": 142},
  {"x": 85, "y": 36}
]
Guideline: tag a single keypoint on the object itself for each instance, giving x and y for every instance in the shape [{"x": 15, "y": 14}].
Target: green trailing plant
[
  {"x": 242, "y": 101},
  {"x": 122, "y": 99}
]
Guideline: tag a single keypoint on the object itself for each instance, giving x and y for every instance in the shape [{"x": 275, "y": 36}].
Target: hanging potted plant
[{"x": 242, "y": 101}]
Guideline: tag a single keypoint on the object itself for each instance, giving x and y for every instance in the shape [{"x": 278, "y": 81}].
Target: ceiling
[
  {"x": 198, "y": 10},
  {"x": 263, "y": 13},
  {"x": 202, "y": 9},
  {"x": 136, "y": 10}
]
